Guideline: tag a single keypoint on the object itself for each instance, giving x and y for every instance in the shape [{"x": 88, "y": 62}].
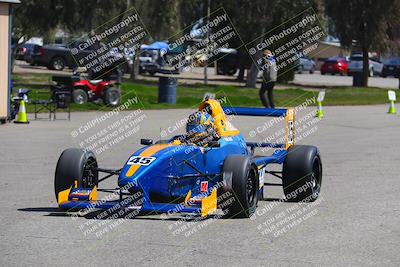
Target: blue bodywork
[
  {"x": 173, "y": 170},
  {"x": 170, "y": 175}
]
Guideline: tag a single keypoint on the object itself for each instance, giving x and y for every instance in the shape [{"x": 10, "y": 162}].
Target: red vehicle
[
  {"x": 91, "y": 90},
  {"x": 335, "y": 65}
]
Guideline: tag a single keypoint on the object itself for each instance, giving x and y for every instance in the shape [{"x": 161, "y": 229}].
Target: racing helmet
[{"x": 199, "y": 126}]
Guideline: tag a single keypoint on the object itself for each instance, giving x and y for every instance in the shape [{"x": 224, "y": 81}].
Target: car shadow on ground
[
  {"x": 106, "y": 215},
  {"x": 270, "y": 199}
]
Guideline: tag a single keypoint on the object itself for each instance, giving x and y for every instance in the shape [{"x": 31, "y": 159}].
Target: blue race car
[{"x": 210, "y": 167}]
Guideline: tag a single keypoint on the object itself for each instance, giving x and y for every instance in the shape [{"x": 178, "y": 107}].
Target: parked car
[
  {"x": 391, "y": 67},
  {"x": 23, "y": 50},
  {"x": 159, "y": 58},
  {"x": 230, "y": 61},
  {"x": 57, "y": 57},
  {"x": 227, "y": 63},
  {"x": 305, "y": 64},
  {"x": 356, "y": 64},
  {"x": 335, "y": 65},
  {"x": 33, "y": 54}
]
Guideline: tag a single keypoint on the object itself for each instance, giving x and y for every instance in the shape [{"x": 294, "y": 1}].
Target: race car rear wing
[{"x": 288, "y": 114}]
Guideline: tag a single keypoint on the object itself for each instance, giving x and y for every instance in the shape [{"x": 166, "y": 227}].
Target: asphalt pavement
[{"x": 355, "y": 222}]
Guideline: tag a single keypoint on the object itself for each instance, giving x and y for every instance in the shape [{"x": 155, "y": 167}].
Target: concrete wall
[{"x": 4, "y": 58}]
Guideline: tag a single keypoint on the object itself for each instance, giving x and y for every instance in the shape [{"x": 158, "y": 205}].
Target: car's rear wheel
[
  {"x": 243, "y": 186},
  {"x": 302, "y": 174},
  {"x": 57, "y": 63},
  {"x": 75, "y": 165}
]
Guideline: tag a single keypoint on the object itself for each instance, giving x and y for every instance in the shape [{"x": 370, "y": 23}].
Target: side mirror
[
  {"x": 214, "y": 144},
  {"x": 146, "y": 142}
]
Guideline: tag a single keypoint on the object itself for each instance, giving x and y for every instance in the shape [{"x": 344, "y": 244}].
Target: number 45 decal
[{"x": 138, "y": 160}]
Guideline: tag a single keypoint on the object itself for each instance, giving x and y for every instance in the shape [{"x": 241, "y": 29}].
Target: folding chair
[
  {"x": 43, "y": 103},
  {"x": 62, "y": 100}
]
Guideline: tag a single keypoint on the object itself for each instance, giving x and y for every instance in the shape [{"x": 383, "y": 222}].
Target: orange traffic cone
[{"x": 21, "y": 117}]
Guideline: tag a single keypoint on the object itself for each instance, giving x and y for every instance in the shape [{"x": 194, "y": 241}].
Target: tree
[
  {"x": 34, "y": 18},
  {"x": 261, "y": 16},
  {"x": 365, "y": 24},
  {"x": 162, "y": 18}
]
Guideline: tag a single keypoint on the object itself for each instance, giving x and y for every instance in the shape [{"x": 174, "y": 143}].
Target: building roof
[{"x": 10, "y": 1}]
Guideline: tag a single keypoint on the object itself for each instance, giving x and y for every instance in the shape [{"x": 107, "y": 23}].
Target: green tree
[
  {"x": 82, "y": 17},
  {"x": 261, "y": 16},
  {"x": 162, "y": 18},
  {"x": 33, "y": 17},
  {"x": 365, "y": 24}
]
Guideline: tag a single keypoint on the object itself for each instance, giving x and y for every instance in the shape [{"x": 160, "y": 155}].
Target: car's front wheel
[
  {"x": 75, "y": 166},
  {"x": 242, "y": 186}
]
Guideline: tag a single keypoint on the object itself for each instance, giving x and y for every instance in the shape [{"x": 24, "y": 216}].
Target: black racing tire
[
  {"x": 244, "y": 187},
  {"x": 302, "y": 174},
  {"x": 72, "y": 165},
  {"x": 112, "y": 97},
  {"x": 80, "y": 96},
  {"x": 57, "y": 63}
]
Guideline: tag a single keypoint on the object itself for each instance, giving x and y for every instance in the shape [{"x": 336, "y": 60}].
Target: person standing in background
[{"x": 269, "y": 79}]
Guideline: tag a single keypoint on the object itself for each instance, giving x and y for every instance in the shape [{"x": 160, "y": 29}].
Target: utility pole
[{"x": 207, "y": 36}]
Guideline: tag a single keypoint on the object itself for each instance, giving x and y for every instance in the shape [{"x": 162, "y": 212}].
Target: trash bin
[
  {"x": 167, "y": 90},
  {"x": 357, "y": 78}
]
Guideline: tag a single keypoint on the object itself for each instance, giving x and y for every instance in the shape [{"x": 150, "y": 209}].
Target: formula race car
[{"x": 209, "y": 169}]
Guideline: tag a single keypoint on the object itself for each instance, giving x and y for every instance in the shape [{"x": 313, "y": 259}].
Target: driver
[{"x": 200, "y": 129}]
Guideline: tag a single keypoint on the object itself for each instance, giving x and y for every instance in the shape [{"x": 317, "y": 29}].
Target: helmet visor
[{"x": 196, "y": 129}]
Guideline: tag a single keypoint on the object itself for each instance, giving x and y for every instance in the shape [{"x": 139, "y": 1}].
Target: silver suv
[{"x": 356, "y": 64}]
